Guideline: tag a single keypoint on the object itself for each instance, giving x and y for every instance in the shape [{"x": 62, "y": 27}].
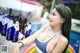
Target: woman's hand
[{"x": 16, "y": 48}]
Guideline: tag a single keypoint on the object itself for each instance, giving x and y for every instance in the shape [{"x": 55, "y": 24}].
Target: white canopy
[{"x": 18, "y": 5}]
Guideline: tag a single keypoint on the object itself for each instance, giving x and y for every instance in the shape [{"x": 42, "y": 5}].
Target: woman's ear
[{"x": 62, "y": 20}]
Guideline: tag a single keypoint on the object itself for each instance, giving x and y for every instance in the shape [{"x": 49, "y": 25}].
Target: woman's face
[{"x": 55, "y": 18}]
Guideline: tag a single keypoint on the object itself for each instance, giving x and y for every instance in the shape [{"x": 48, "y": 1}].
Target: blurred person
[
  {"x": 44, "y": 19},
  {"x": 53, "y": 37}
]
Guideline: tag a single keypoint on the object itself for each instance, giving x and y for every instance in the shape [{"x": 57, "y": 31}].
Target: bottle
[
  {"x": 22, "y": 25},
  {"x": 5, "y": 22},
  {"x": 16, "y": 31},
  {"x": 10, "y": 29},
  {"x": 28, "y": 30},
  {"x": 1, "y": 26},
  {"x": 21, "y": 29},
  {"x": 1, "y": 22}
]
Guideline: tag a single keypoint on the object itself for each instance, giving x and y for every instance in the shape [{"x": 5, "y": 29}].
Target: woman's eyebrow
[{"x": 53, "y": 12}]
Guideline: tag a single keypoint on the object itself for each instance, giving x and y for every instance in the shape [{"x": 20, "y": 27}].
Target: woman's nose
[{"x": 49, "y": 16}]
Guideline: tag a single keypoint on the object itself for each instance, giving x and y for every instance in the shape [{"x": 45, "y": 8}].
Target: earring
[{"x": 52, "y": 27}]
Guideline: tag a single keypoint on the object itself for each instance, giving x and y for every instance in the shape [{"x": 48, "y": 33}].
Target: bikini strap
[{"x": 55, "y": 35}]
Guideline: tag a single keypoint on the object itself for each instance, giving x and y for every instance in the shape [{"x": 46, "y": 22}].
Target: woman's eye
[{"x": 53, "y": 13}]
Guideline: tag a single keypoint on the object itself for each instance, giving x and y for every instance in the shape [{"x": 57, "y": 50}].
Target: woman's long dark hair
[{"x": 65, "y": 12}]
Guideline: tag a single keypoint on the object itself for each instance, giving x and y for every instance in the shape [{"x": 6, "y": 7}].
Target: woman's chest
[{"x": 45, "y": 35}]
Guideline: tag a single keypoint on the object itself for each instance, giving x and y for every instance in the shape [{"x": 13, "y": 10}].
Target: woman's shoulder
[{"x": 63, "y": 39}]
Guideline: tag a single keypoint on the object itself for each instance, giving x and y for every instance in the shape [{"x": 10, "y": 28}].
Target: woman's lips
[{"x": 50, "y": 20}]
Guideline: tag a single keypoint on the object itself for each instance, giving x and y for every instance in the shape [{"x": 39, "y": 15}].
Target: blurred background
[{"x": 21, "y": 18}]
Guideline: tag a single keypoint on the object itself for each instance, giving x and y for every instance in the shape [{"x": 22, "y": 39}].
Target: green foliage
[
  {"x": 43, "y": 11},
  {"x": 75, "y": 10},
  {"x": 74, "y": 7}
]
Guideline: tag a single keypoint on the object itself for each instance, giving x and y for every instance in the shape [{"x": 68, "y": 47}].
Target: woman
[{"x": 53, "y": 37}]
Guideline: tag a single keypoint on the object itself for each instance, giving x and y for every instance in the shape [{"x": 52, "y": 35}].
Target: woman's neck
[{"x": 56, "y": 28}]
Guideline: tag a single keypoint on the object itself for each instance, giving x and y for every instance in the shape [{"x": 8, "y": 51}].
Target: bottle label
[
  {"x": 1, "y": 26},
  {"x": 28, "y": 28},
  {"x": 10, "y": 24},
  {"x": 5, "y": 20},
  {"x": 20, "y": 36},
  {"x": 16, "y": 26},
  {"x": 1, "y": 18}
]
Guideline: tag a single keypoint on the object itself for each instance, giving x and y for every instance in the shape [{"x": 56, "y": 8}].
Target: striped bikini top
[{"x": 43, "y": 46}]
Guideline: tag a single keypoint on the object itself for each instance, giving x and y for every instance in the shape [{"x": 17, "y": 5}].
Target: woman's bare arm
[
  {"x": 33, "y": 37},
  {"x": 59, "y": 48},
  {"x": 28, "y": 40}
]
